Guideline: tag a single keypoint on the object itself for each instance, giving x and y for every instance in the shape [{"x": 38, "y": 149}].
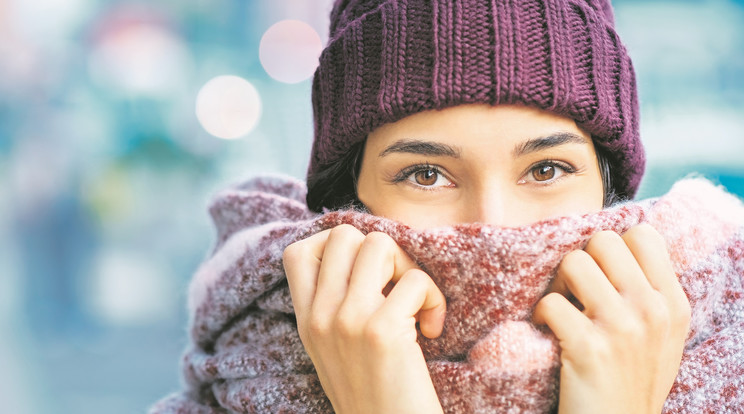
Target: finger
[
  {"x": 415, "y": 294},
  {"x": 580, "y": 276},
  {"x": 380, "y": 261},
  {"x": 612, "y": 255},
  {"x": 650, "y": 251},
  {"x": 301, "y": 261},
  {"x": 566, "y": 322},
  {"x": 339, "y": 255}
]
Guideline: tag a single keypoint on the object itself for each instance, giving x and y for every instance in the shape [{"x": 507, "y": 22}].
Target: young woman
[
  {"x": 438, "y": 113},
  {"x": 451, "y": 250}
]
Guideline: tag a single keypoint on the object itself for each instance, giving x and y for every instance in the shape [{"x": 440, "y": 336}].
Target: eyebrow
[
  {"x": 537, "y": 144},
  {"x": 436, "y": 149},
  {"x": 414, "y": 146}
]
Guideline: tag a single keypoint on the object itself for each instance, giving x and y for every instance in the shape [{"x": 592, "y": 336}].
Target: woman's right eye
[{"x": 428, "y": 177}]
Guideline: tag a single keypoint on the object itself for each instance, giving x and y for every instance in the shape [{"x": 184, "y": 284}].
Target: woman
[
  {"x": 513, "y": 119},
  {"x": 464, "y": 153},
  {"x": 504, "y": 165}
]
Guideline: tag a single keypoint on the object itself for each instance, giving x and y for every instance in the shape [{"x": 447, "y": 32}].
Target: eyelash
[
  {"x": 407, "y": 172},
  {"x": 568, "y": 169}
]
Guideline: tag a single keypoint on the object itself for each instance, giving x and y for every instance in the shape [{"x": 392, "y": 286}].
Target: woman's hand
[
  {"x": 621, "y": 347},
  {"x": 360, "y": 337}
]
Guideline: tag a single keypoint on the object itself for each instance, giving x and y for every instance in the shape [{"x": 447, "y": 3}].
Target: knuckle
[
  {"x": 587, "y": 342},
  {"x": 293, "y": 252},
  {"x": 599, "y": 350},
  {"x": 549, "y": 304},
  {"x": 629, "y": 328},
  {"x": 657, "y": 315},
  {"x": 646, "y": 230},
  {"x": 603, "y": 238},
  {"x": 346, "y": 324},
  {"x": 379, "y": 239},
  {"x": 416, "y": 277},
  {"x": 574, "y": 259},
  {"x": 317, "y": 328},
  {"x": 594, "y": 350},
  {"x": 376, "y": 333},
  {"x": 644, "y": 233},
  {"x": 345, "y": 232}
]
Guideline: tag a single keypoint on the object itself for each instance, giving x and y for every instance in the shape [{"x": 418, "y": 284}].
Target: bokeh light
[
  {"x": 289, "y": 51},
  {"x": 48, "y": 22},
  {"x": 130, "y": 288},
  {"x": 228, "y": 107},
  {"x": 140, "y": 58}
]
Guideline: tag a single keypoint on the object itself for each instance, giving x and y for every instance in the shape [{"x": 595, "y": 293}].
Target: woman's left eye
[{"x": 546, "y": 172}]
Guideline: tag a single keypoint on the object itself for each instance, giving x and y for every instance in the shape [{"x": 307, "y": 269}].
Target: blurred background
[{"x": 118, "y": 120}]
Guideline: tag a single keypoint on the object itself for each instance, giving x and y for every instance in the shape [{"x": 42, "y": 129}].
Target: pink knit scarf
[{"x": 246, "y": 356}]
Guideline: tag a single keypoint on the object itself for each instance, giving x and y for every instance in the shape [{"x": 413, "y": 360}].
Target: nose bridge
[{"x": 490, "y": 206}]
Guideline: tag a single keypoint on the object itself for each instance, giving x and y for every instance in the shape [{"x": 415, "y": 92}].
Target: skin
[
  {"x": 487, "y": 176},
  {"x": 508, "y": 166}
]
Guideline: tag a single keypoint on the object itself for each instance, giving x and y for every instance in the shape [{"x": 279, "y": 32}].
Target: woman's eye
[
  {"x": 428, "y": 177},
  {"x": 543, "y": 172},
  {"x": 547, "y": 173}
]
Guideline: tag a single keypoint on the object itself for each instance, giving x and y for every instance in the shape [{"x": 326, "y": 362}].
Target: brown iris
[
  {"x": 426, "y": 177},
  {"x": 543, "y": 173}
]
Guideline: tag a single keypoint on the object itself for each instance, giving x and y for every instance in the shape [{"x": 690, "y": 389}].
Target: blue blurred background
[{"x": 117, "y": 121}]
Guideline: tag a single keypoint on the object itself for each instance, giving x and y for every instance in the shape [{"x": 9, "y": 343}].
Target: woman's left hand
[{"x": 621, "y": 347}]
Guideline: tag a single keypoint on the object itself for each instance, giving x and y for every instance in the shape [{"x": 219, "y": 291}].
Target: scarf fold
[{"x": 245, "y": 354}]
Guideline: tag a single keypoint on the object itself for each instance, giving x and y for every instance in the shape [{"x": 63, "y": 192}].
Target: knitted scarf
[{"x": 245, "y": 354}]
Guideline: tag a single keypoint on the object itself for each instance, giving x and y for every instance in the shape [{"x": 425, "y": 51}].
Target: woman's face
[{"x": 502, "y": 165}]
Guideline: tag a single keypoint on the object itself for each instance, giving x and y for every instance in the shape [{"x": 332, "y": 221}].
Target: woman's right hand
[{"x": 357, "y": 299}]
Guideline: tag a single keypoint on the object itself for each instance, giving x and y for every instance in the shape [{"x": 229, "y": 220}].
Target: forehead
[{"x": 475, "y": 128}]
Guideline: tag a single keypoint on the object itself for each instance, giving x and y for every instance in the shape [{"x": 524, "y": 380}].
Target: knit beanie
[{"x": 387, "y": 59}]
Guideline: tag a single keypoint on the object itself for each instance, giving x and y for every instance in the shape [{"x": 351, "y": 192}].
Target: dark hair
[
  {"x": 334, "y": 186},
  {"x": 611, "y": 197}
]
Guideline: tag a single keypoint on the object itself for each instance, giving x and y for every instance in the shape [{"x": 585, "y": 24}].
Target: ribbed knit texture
[
  {"x": 389, "y": 59},
  {"x": 245, "y": 354}
]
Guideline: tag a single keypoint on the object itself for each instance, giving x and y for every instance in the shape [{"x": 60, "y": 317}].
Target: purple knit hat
[{"x": 387, "y": 59}]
